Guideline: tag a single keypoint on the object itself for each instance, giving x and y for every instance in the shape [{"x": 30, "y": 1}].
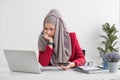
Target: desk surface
[{"x": 69, "y": 74}]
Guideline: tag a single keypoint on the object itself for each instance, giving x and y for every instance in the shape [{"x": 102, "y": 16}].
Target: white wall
[{"x": 21, "y": 22}]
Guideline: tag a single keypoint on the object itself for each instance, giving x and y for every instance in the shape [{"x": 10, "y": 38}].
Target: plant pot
[{"x": 112, "y": 67}]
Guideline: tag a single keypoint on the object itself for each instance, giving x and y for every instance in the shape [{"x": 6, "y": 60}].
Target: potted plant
[
  {"x": 112, "y": 59},
  {"x": 109, "y": 42}
]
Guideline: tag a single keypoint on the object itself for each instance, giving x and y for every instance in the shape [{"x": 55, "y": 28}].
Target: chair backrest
[{"x": 83, "y": 51}]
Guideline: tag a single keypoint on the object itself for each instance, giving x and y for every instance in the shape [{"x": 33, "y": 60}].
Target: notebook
[
  {"x": 88, "y": 68},
  {"x": 24, "y": 61}
]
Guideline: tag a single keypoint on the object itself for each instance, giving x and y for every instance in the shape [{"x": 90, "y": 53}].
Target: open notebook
[{"x": 88, "y": 69}]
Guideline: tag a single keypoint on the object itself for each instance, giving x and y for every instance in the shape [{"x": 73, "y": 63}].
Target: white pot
[{"x": 112, "y": 67}]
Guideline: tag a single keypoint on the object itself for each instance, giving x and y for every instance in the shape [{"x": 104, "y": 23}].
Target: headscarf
[{"x": 62, "y": 42}]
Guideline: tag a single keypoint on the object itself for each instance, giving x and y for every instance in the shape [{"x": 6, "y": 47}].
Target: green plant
[{"x": 109, "y": 39}]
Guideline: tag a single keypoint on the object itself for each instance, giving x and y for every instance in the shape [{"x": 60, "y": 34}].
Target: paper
[{"x": 88, "y": 68}]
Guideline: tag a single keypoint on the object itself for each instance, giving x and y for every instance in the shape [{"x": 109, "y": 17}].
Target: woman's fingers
[
  {"x": 65, "y": 67},
  {"x": 47, "y": 37}
]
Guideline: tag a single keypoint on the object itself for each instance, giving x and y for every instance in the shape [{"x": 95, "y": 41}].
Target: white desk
[{"x": 58, "y": 75}]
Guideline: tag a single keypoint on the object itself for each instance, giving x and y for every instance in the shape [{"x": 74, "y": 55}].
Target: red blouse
[{"x": 76, "y": 56}]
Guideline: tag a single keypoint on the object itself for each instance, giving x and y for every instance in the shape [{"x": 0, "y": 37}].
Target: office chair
[{"x": 83, "y": 51}]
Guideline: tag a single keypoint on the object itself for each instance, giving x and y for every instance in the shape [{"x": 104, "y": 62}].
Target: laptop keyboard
[{"x": 51, "y": 68}]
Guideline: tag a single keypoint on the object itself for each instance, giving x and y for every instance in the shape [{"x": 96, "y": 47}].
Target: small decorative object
[
  {"x": 113, "y": 58},
  {"x": 109, "y": 42}
]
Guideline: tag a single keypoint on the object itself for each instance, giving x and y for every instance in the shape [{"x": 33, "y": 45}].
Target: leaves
[{"x": 110, "y": 39}]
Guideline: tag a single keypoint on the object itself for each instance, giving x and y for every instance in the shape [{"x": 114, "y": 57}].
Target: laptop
[{"x": 22, "y": 61}]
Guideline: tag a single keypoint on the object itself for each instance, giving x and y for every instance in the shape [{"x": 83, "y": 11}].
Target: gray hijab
[{"x": 62, "y": 41}]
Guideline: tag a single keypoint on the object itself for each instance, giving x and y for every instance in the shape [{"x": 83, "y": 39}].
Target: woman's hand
[
  {"x": 72, "y": 64},
  {"x": 50, "y": 39}
]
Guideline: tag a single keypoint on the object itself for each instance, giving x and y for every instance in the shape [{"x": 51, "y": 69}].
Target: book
[{"x": 89, "y": 70}]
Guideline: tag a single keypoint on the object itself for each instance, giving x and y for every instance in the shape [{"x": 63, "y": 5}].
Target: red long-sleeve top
[{"x": 77, "y": 55}]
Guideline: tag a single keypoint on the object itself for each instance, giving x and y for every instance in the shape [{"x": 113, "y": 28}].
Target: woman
[{"x": 56, "y": 44}]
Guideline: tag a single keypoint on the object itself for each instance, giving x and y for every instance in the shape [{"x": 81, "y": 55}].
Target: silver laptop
[{"x": 22, "y": 61}]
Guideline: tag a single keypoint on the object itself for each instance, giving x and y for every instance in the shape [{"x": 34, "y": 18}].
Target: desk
[{"x": 69, "y": 74}]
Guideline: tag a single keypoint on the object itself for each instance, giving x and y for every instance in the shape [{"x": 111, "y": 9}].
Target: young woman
[{"x": 56, "y": 44}]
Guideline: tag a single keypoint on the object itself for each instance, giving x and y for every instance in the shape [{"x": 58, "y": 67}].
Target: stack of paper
[{"x": 89, "y": 70}]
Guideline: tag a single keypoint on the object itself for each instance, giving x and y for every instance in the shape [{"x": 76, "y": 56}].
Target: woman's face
[{"x": 49, "y": 29}]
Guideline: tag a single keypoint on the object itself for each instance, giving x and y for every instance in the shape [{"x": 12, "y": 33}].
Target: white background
[{"x": 21, "y": 23}]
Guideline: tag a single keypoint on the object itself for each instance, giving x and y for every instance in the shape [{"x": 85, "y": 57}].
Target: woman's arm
[
  {"x": 79, "y": 56},
  {"x": 44, "y": 56}
]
